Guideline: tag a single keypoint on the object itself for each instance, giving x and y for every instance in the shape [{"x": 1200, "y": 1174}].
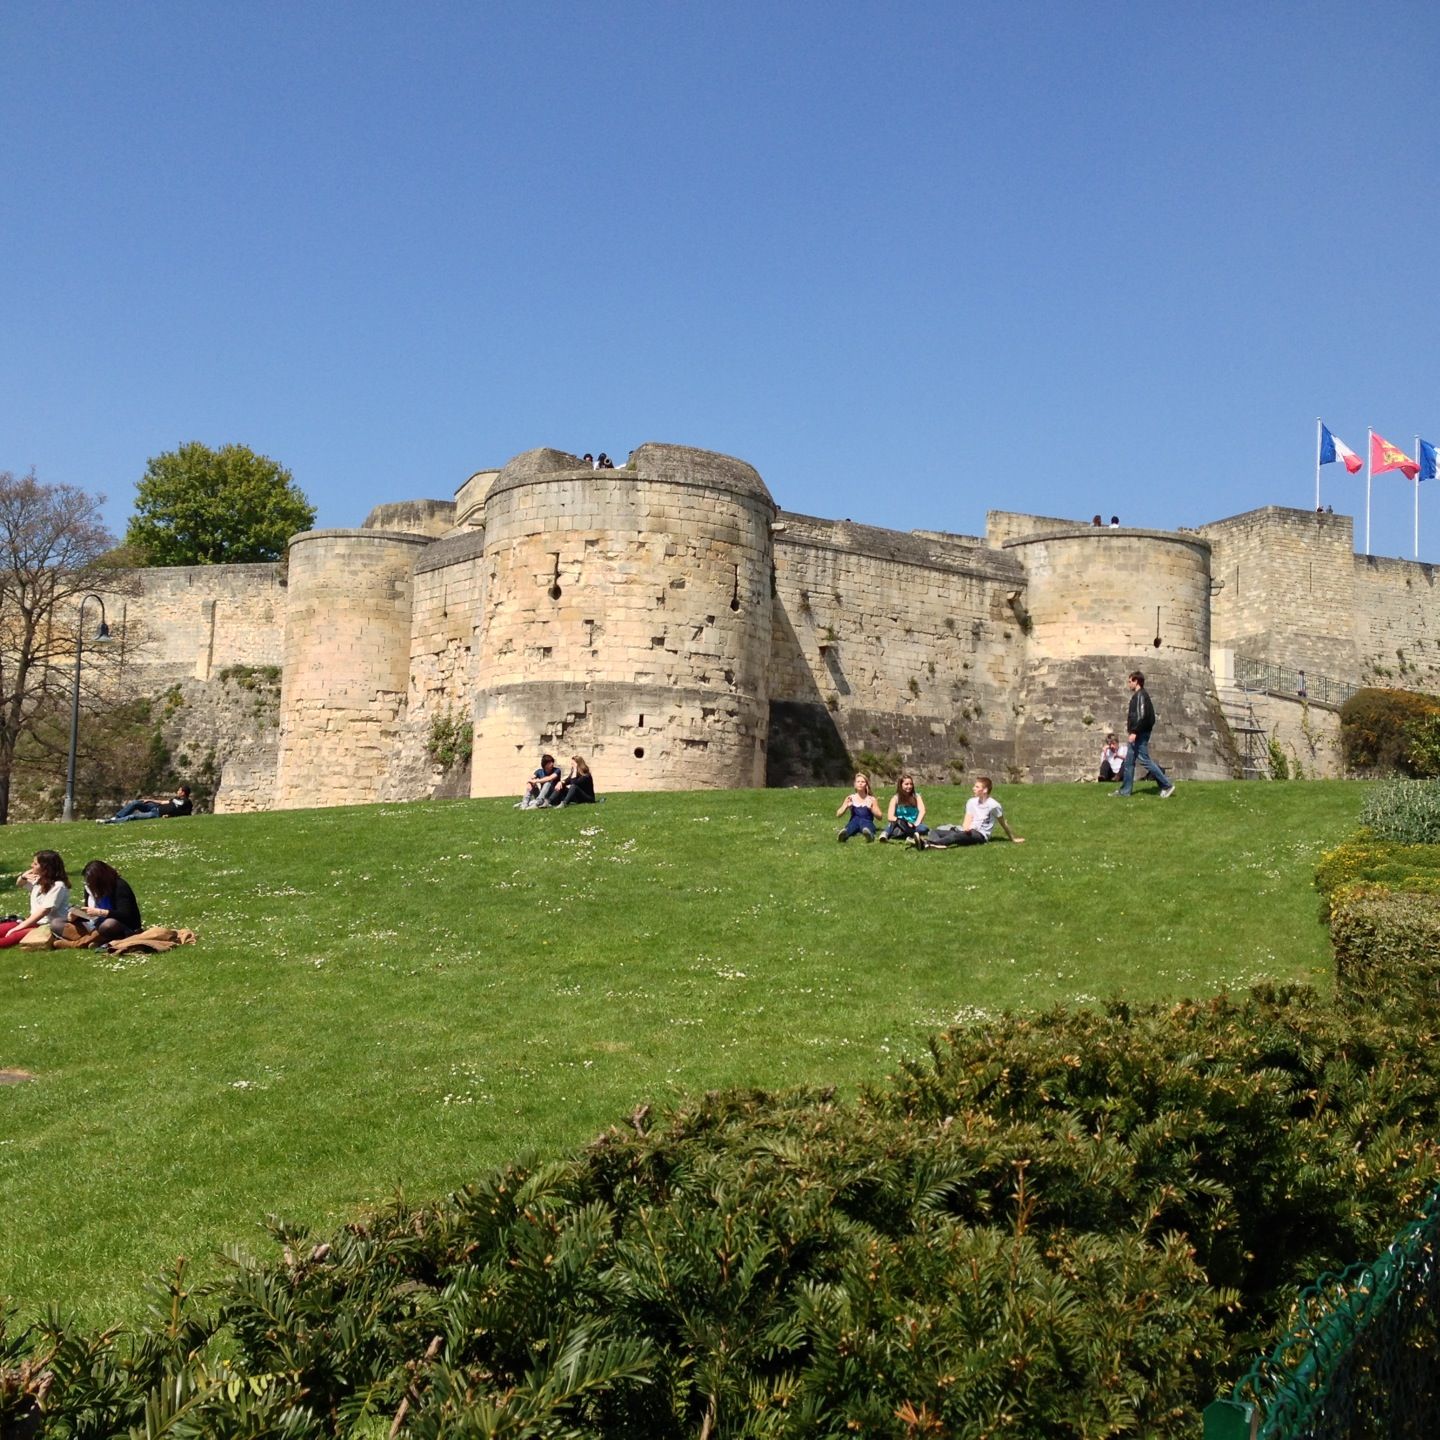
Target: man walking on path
[{"x": 1139, "y": 722}]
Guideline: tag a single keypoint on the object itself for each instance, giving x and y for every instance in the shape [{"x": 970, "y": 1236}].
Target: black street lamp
[{"x": 101, "y": 636}]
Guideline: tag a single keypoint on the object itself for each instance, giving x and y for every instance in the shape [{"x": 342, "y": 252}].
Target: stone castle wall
[
  {"x": 889, "y": 644},
  {"x": 670, "y": 623},
  {"x": 1102, "y": 602},
  {"x": 1286, "y": 589},
  {"x": 347, "y": 664},
  {"x": 193, "y": 621},
  {"x": 626, "y": 618},
  {"x": 1397, "y": 622}
]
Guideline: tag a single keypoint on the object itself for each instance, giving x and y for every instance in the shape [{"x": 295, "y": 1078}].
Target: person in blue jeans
[
  {"x": 154, "y": 807},
  {"x": 1139, "y": 722},
  {"x": 864, "y": 811}
]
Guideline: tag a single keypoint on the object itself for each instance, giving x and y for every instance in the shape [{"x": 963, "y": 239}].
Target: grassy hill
[{"x": 399, "y": 996}]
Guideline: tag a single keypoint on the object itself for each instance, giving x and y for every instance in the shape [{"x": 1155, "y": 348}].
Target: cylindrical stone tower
[
  {"x": 626, "y": 618},
  {"x": 347, "y": 657},
  {"x": 1098, "y": 604}
]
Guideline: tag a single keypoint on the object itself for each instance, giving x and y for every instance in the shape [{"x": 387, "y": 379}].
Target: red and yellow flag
[{"x": 1384, "y": 456}]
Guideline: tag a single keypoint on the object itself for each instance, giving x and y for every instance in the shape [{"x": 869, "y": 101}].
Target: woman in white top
[
  {"x": 49, "y": 898},
  {"x": 1112, "y": 759}
]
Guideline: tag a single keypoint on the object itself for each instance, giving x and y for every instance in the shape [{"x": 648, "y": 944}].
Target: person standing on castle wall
[
  {"x": 1139, "y": 722},
  {"x": 864, "y": 811}
]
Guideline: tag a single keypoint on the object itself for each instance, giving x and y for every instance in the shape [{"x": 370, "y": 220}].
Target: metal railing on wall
[
  {"x": 1283, "y": 680},
  {"x": 1361, "y": 1357}
]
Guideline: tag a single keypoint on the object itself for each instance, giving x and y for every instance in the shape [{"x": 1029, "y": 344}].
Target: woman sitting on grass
[
  {"x": 578, "y": 787},
  {"x": 864, "y": 811},
  {"x": 907, "y": 812},
  {"x": 49, "y": 898},
  {"x": 110, "y": 911}
]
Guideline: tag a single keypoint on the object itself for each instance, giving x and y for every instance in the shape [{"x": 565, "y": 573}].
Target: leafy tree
[
  {"x": 53, "y": 548},
  {"x": 198, "y": 506}
]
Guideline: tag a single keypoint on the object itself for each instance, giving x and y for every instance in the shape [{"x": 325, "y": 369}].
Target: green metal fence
[{"x": 1361, "y": 1359}]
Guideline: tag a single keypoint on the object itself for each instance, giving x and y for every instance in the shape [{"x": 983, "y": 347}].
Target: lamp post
[{"x": 101, "y": 636}]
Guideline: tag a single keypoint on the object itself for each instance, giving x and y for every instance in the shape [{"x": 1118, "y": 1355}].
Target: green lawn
[{"x": 399, "y": 996}]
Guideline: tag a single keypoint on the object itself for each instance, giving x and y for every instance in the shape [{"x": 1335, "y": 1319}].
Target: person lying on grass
[
  {"x": 864, "y": 811},
  {"x": 49, "y": 898},
  {"x": 982, "y": 814}
]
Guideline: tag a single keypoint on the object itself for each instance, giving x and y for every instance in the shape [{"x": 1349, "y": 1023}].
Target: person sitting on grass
[
  {"x": 864, "y": 811},
  {"x": 49, "y": 899},
  {"x": 1112, "y": 759},
  {"x": 541, "y": 785},
  {"x": 110, "y": 911},
  {"x": 982, "y": 814},
  {"x": 153, "y": 807},
  {"x": 907, "y": 812},
  {"x": 578, "y": 787}
]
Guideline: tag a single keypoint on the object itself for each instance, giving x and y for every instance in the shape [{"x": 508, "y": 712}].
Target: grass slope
[{"x": 401, "y": 996}]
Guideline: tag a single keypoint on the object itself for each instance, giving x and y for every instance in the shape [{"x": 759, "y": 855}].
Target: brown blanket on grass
[{"x": 153, "y": 941}]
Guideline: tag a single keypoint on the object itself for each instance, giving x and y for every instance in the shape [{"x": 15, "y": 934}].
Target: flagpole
[
  {"x": 1417, "y": 499},
  {"x": 1317, "y": 462},
  {"x": 1369, "y": 472}
]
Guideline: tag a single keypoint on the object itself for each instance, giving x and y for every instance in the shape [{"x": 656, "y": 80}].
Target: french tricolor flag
[{"x": 1332, "y": 449}]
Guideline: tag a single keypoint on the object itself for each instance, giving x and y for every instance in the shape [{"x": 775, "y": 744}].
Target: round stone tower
[
  {"x": 625, "y": 618},
  {"x": 347, "y": 661},
  {"x": 1098, "y": 604}
]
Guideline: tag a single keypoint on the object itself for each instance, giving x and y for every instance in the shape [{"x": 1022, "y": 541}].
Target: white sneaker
[{"x": 1167, "y": 792}]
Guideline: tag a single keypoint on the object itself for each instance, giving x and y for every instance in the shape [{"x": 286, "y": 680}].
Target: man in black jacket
[{"x": 1139, "y": 722}]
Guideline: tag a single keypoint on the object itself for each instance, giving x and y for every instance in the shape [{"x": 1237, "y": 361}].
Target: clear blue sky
[{"x": 910, "y": 261}]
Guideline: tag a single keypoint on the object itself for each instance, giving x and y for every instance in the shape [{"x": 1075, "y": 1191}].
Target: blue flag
[{"x": 1427, "y": 461}]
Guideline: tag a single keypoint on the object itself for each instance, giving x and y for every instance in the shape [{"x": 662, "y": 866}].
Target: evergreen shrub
[{"x": 1075, "y": 1224}]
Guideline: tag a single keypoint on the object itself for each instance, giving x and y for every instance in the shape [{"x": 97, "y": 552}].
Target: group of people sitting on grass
[
  {"x": 110, "y": 911},
  {"x": 905, "y": 819},
  {"x": 547, "y": 789}
]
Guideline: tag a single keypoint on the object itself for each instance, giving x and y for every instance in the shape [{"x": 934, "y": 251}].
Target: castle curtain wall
[{"x": 889, "y": 645}]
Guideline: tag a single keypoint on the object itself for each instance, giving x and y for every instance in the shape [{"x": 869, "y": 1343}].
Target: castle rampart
[
  {"x": 668, "y": 622},
  {"x": 191, "y": 621}
]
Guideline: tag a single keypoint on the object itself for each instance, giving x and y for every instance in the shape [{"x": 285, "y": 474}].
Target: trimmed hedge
[
  {"x": 1076, "y": 1224},
  {"x": 1367, "y": 859},
  {"x": 1387, "y": 948}
]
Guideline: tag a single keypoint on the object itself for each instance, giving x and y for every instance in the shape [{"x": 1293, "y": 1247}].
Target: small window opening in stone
[
  {"x": 555, "y": 581},
  {"x": 642, "y": 722},
  {"x": 735, "y": 594},
  {"x": 639, "y": 752}
]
